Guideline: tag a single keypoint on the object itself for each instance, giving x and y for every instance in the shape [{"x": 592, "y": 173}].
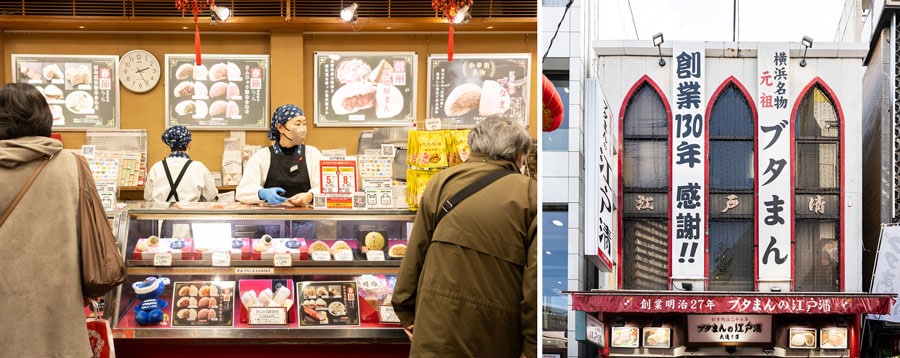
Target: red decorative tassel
[
  {"x": 197, "y": 42},
  {"x": 450, "y": 43},
  {"x": 197, "y": 32}
]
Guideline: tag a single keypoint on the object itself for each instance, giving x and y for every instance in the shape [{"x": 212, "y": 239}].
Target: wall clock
[{"x": 139, "y": 71}]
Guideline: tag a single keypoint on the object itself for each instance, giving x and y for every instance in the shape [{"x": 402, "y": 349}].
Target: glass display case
[{"x": 207, "y": 272}]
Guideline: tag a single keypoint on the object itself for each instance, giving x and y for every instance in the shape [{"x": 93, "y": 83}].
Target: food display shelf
[{"x": 360, "y": 323}]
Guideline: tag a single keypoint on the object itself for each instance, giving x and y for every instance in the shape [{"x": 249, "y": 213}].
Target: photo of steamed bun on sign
[
  {"x": 222, "y": 92},
  {"x": 471, "y": 88},
  {"x": 81, "y": 90},
  {"x": 365, "y": 89}
]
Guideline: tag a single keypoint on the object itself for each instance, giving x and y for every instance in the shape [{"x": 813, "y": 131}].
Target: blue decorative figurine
[{"x": 150, "y": 309}]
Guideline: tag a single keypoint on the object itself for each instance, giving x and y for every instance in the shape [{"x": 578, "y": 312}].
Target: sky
[{"x": 712, "y": 20}]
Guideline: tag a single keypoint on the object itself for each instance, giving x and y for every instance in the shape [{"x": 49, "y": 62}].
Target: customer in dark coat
[{"x": 475, "y": 292}]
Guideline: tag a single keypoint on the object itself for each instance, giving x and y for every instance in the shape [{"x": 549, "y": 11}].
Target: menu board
[
  {"x": 82, "y": 90},
  {"x": 225, "y": 92},
  {"x": 328, "y": 303},
  {"x": 471, "y": 88},
  {"x": 625, "y": 337},
  {"x": 802, "y": 338},
  {"x": 365, "y": 89}
]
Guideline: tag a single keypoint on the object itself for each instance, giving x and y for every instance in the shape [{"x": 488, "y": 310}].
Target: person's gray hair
[{"x": 501, "y": 138}]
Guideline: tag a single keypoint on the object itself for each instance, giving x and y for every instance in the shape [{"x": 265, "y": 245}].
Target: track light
[
  {"x": 807, "y": 43},
  {"x": 462, "y": 16},
  {"x": 658, "y": 41},
  {"x": 219, "y": 14},
  {"x": 348, "y": 14}
]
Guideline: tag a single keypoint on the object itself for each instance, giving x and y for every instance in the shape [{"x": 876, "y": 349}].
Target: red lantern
[{"x": 553, "y": 106}]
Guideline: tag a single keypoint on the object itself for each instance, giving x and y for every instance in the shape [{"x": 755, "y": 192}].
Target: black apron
[{"x": 288, "y": 172}]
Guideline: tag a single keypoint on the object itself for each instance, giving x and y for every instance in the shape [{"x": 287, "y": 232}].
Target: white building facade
[{"x": 697, "y": 196}]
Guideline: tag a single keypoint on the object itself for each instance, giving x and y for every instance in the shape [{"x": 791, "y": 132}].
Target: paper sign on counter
[
  {"x": 221, "y": 259},
  {"x": 282, "y": 260},
  {"x": 162, "y": 259},
  {"x": 267, "y": 316}
]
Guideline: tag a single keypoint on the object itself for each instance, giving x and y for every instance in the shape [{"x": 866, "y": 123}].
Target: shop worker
[
  {"x": 177, "y": 177},
  {"x": 475, "y": 292},
  {"x": 286, "y": 169}
]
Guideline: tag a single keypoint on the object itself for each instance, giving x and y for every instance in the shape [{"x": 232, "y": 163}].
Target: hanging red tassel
[
  {"x": 195, "y": 7},
  {"x": 448, "y": 9},
  {"x": 197, "y": 32},
  {"x": 450, "y": 44},
  {"x": 197, "y": 42}
]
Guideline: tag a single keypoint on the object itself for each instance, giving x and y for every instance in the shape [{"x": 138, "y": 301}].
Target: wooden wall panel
[{"x": 291, "y": 74}]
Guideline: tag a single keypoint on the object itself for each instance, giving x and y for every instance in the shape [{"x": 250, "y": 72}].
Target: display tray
[
  {"x": 367, "y": 320},
  {"x": 264, "y": 264}
]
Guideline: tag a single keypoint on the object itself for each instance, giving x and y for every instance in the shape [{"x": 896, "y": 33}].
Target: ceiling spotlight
[
  {"x": 219, "y": 14},
  {"x": 462, "y": 16},
  {"x": 348, "y": 14},
  {"x": 807, "y": 43},
  {"x": 658, "y": 41}
]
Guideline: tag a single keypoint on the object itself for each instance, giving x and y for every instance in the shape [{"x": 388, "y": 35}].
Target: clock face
[{"x": 139, "y": 71}]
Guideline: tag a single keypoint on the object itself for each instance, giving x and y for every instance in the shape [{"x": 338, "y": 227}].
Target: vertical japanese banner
[
  {"x": 688, "y": 163},
  {"x": 598, "y": 241},
  {"x": 887, "y": 264},
  {"x": 773, "y": 165}
]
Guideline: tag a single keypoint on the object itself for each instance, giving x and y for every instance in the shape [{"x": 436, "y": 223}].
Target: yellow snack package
[
  {"x": 458, "y": 146},
  {"x": 431, "y": 149}
]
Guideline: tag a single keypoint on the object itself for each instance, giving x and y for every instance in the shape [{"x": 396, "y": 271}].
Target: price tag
[
  {"x": 162, "y": 259},
  {"x": 386, "y": 314},
  {"x": 321, "y": 256},
  {"x": 283, "y": 260},
  {"x": 267, "y": 315},
  {"x": 375, "y": 255},
  {"x": 221, "y": 259},
  {"x": 343, "y": 255},
  {"x": 433, "y": 124}
]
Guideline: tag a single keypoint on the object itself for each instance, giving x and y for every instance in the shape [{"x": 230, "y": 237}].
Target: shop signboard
[
  {"x": 589, "y": 329},
  {"x": 365, "y": 89},
  {"x": 726, "y": 328},
  {"x": 82, "y": 90},
  {"x": 599, "y": 247},
  {"x": 229, "y": 92},
  {"x": 887, "y": 264},
  {"x": 656, "y": 304},
  {"x": 473, "y": 87},
  {"x": 774, "y": 165},
  {"x": 688, "y": 162}
]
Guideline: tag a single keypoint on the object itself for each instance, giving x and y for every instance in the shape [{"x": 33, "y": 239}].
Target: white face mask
[{"x": 523, "y": 166}]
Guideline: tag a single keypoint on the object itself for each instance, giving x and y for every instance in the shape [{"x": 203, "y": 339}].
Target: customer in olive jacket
[
  {"x": 42, "y": 305},
  {"x": 475, "y": 292}
]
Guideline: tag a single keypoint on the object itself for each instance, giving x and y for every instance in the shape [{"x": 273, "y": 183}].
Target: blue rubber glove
[{"x": 272, "y": 195}]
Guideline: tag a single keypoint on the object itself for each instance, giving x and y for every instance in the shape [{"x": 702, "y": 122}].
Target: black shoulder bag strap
[
  {"x": 470, "y": 189},
  {"x": 174, "y": 185}
]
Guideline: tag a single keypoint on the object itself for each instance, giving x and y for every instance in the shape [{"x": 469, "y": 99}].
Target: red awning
[{"x": 731, "y": 302}]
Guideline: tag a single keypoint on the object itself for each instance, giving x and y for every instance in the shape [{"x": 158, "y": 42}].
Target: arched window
[
  {"x": 731, "y": 182},
  {"x": 644, "y": 164},
  {"x": 817, "y": 194}
]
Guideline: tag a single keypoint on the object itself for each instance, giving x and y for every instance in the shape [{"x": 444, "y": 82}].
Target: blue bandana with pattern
[
  {"x": 281, "y": 116},
  {"x": 177, "y": 137}
]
